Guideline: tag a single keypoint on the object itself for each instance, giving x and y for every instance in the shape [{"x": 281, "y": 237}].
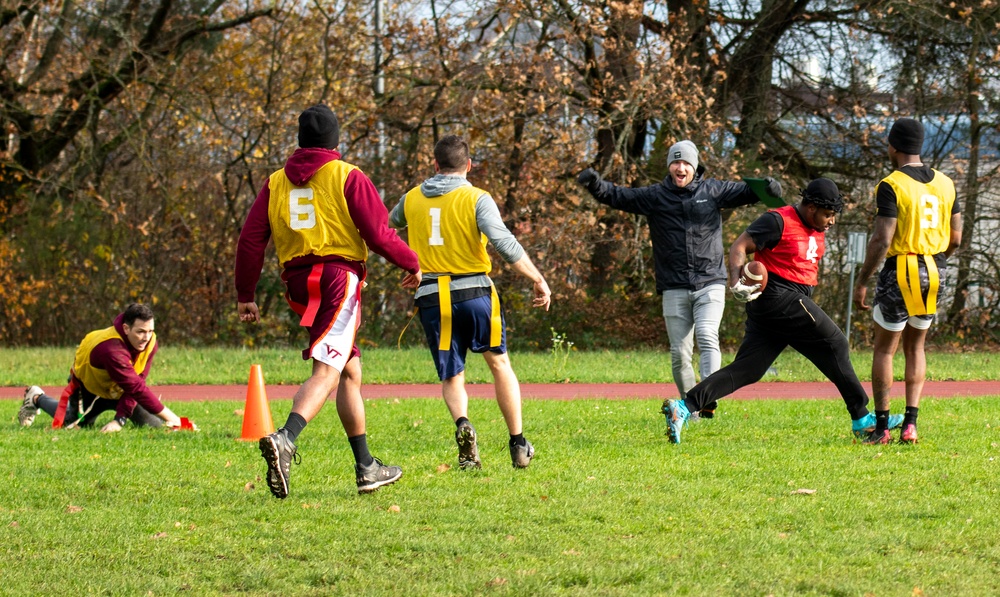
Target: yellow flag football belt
[
  {"x": 908, "y": 278},
  {"x": 444, "y": 300}
]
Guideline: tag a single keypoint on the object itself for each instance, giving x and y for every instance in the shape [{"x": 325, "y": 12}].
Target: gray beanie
[{"x": 683, "y": 150}]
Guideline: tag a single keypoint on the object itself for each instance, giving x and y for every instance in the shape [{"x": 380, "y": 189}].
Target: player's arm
[
  {"x": 372, "y": 221},
  {"x": 491, "y": 224},
  {"x": 525, "y": 267},
  {"x": 730, "y": 194},
  {"x": 744, "y": 245},
  {"x": 956, "y": 235},
  {"x": 397, "y": 217},
  {"x": 878, "y": 247},
  {"x": 250, "y": 255},
  {"x": 636, "y": 201}
]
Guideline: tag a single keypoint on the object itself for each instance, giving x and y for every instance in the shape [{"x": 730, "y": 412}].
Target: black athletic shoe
[
  {"x": 468, "y": 451},
  {"x": 376, "y": 475},
  {"x": 520, "y": 456},
  {"x": 279, "y": 452}
]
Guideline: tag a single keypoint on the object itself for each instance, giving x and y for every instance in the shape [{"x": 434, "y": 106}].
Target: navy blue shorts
[{"x": 470, "y": 330}]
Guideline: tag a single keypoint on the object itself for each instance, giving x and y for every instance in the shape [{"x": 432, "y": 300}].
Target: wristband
[{"x": 121, "y": 421}]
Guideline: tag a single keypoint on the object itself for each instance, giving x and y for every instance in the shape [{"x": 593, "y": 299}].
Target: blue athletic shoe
[
  {"x": 864, "y": 426},
  {"x": 677, "y": 417}
]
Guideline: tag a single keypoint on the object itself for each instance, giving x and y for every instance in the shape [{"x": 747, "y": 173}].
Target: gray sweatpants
[{"x": 691, "y": 314}]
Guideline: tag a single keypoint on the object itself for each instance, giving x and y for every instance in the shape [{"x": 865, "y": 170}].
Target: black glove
[
  {"x": 589, "y": 178},
  {"x": 773, "y": 187}
]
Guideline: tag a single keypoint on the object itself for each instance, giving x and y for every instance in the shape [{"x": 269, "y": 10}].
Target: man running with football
[{"x": 789, "y": 242}]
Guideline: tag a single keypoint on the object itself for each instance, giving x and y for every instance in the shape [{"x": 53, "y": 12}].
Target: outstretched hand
[
  {"x": 773, "y": 187},
  {"x": 588, "y": 177}
]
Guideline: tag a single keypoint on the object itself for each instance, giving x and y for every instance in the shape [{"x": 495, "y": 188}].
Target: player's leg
[
  {"x": 890, "y": 316},
  {"x": 477, "y": 315},
  {"x": 330, "y": 299},
  {"x": 709, "y": 305},
  {"x": 916, "y": 372},
  {"x": 46, "y": 403},
  {"x": 678, "y": 316},
  {"x": 143, "y": 418},
  {"x": 756, "y": 353},
  {"x": 91, "y": 407},
  {"x": 450, "y": 365},
  {"x": 370, "y": 472},
  {"x": 819, "y": 339}
]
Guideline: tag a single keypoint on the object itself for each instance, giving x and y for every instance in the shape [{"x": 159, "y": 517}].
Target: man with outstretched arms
[
  {"x": 323, "y": 215},
  {"x": 918, "y": 225},
  {"x": 109, "y": 373},
  {"x": 450, "y": 222}
]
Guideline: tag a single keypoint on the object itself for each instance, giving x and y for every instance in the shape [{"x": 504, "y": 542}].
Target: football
[{"x": 754, "y": 272}]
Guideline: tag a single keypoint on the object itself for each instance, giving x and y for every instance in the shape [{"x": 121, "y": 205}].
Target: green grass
[
  {"x": 173, "y": 365},
  {"x": 609, "y": 507}
]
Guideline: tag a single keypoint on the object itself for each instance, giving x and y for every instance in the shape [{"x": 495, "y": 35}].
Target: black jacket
[{"x": 685, "y": 225}]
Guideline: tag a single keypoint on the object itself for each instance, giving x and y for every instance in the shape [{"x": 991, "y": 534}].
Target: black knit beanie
[
  {"x": 318, "y": 127},
  {"x": 823, "y": 193},
  {"x": 907, "y": 136}
]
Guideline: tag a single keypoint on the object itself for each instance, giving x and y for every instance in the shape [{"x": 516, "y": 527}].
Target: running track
[{"x": 572, "y": 391}]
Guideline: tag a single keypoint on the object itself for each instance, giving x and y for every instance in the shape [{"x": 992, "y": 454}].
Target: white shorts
[
  {"x": 336, "y": 346},
  {"x": 920, "y": 322}
]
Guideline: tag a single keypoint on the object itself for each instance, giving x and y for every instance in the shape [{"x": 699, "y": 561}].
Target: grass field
[
  {"x": 174, "y": 365},
  {"x": 608, "y": 507}
]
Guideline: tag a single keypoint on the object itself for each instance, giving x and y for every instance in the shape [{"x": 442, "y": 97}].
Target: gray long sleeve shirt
[{"x": 487, "y": 219}]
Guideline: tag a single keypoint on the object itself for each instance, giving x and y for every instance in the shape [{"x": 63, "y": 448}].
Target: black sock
[
  {"x": 460, "y": 420},
  {"x": 517, "y": 440},
  {"x": 359, "y": 445},
  {"x": 910, "y": 416},
  {"x": 294, "y": 425},
  {"x": 881, "y": 420},
  {"x": 691, "y": 406}
]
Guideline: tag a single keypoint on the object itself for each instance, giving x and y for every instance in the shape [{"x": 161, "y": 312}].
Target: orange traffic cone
[{"x": 257, "y": 420}]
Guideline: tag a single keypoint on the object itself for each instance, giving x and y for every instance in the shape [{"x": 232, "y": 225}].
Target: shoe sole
[
  {"x": 373, "y": 486},
  {"x": 26, "y": 419},
  {"x": 269, "y": 450},
  {"x": 672, "y": 418},
  {"x": 468, "y": 457},
  {"x": 523, "y": 464}
]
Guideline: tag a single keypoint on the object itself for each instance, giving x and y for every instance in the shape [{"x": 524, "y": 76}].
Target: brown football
[{"x": 754, "y": 272}]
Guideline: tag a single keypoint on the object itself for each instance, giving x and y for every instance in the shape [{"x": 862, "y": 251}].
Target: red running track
[{"x": 775, "y": 390}]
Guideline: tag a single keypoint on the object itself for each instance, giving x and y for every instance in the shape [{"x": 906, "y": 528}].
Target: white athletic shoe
[{"x": 26, "y": 416}]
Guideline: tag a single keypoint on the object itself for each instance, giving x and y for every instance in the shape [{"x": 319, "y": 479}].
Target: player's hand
[
  {"x": 744, "y": 293},
  {"x": 111, "y": 427},
  {"x": 773, "y": 187},
  {"x": 411, "y": 281},
  {"x": 248, "y": 312},
  {"x": 588, "y": 177},
  {"x": 860, "y": 293},
  {"x": 543, "y": 296}
]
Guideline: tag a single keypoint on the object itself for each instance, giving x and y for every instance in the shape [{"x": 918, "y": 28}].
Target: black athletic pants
[
  {"x": 787, "y": 319},
  {"x": 82, "y": 400}
]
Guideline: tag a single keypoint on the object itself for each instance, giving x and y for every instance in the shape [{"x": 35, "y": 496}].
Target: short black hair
[
  {"x": 451, "y": 153},
  {"x": 136, "y": 311}
]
